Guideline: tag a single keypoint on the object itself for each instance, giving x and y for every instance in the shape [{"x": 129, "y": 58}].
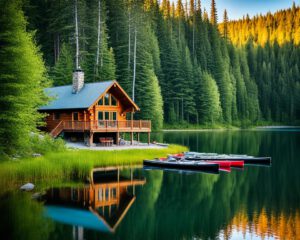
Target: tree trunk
[
  {"x": 134, "y": 63},
  {"x": 58, "y": 46},
  {"x": 76, "y": 36},
  {"x": 98, "y": 37},
  {"x": 129, "y": 40}
]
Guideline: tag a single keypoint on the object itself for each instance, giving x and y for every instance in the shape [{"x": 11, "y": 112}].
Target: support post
[
  {"x": 138, "y": 137},
  {"x": 148, "y": 138},
  {"x": 117, "y": 140},
  {"x": 132, "y": 120},
  {"x": 84, "y": 119},
  {"x": 131, "y": 138},
  {"x": 91, "y": 139}
]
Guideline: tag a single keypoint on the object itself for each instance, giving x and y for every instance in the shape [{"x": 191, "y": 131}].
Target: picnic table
[{"x": 106, "y": 141}]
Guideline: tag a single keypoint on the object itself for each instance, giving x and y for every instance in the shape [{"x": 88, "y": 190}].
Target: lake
[{"x": 257, "y": 202}]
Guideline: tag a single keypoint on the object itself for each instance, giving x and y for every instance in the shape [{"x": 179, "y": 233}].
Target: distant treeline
[{"x": 184, "y": 68}]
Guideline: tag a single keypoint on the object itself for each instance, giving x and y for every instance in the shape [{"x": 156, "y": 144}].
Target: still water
[{"x": 254, "y": 203}]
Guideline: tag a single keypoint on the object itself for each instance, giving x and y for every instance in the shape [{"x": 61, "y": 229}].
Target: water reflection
[
  {"x": 263, "y": 225},
  {"x": 257, "y": 203},
  {"x": 100, "y": 205}
]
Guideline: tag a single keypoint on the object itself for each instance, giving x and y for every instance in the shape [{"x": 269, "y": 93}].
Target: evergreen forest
[{"x": 181, "y": 63}]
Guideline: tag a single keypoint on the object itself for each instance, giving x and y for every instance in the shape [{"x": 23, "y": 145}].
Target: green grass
[{"x": 73, "y": 164}]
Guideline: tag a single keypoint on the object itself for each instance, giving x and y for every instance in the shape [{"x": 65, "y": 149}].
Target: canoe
[
  {"x": 223, "y": 165},
  {"x": 184, "y": 165},
  {"x": 193, "y": 156},
  {"x": 252, "y": 160}
]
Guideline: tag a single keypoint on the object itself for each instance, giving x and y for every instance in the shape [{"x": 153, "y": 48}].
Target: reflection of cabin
[
  {"x": 92, "y": 110},
  {"x": 100, "y": 205}
]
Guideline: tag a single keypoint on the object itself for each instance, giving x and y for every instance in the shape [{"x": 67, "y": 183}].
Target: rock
[{"x": 27, "y": 187}]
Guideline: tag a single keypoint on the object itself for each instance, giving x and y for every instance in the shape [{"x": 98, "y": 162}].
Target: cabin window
[
  {"x": 106, "y": 99},
  {"x": 100, "y": 116},
  {"x": 56, "y": 116},
  {"x": 113, "y": 101},
  {"x": 75, "y": 116},
  {"x": 107, "y": 116},
  {"x": 113, "y": 116},
  {"x": 100, "y": 102}
]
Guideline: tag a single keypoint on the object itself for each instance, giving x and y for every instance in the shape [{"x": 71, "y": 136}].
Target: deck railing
[{"x": 107, "y": 125}]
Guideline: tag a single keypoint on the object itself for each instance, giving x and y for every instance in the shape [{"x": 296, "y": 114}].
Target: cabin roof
[{"x": 63, "y": 98}]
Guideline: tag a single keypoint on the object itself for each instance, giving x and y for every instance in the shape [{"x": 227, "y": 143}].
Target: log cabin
[{"x": 95, "y": 112}]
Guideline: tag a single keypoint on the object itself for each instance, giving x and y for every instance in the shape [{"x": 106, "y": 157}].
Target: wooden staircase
[{"x": 58, "y": 129}]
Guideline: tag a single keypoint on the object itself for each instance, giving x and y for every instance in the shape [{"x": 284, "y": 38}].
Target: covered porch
[{"x": 110, "y": 128}]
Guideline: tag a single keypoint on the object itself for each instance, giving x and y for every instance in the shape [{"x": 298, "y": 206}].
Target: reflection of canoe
[
  {"x": 184, "y": 165},
  {"x": 187, "y": 172}
]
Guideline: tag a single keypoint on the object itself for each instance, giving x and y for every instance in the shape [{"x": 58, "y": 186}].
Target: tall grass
[{"x": 74, "y": 164}]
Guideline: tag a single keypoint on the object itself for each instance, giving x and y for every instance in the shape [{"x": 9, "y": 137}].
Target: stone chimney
[{"x": 78, "y": 80}]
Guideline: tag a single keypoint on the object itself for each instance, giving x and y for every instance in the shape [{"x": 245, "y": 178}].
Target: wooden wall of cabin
[
  {"x": 120, "y": 109},
  {"x": 54, "y": 117}
]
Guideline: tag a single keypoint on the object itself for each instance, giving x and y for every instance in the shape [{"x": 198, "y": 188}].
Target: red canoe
[{"x": 223, "y": 165}]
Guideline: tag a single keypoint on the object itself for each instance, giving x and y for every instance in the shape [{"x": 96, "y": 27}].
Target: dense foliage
[
  {"x": 271, "y": 44},
  {"x": 172, "y": 59},
  {"x": 22, "y": 80},
  {"x": 177, "y": 63}
]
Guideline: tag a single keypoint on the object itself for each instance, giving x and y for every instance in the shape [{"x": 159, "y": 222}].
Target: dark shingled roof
[{"x": 65, "y": 99}]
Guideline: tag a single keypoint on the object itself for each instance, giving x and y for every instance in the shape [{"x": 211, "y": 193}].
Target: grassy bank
[{"x": 74, "y": 164}]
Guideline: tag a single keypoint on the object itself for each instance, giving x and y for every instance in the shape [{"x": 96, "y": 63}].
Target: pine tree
[
  {"x": 22, "y": 80},
  {"x": 99, "y": 61},
  {"x": 208, "y": 99},
  {"x": 213, "y": 13},
  {"x": 254, "y": 62},
  {"x": 225, "y": 25},
  {"x": 61, "y": 73}
]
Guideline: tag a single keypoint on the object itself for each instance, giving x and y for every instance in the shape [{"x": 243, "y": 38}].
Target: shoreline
[
  {"x": 253, "y": 128},
  {"x": 141, "y": 146},
  {"x": 75, "y": 164}
]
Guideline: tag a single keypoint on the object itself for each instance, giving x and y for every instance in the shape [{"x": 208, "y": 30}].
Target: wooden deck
[{"x": 102, "y": 126}]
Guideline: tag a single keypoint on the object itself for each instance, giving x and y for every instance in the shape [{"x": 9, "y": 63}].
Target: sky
[{"x": 236, "y": 9}]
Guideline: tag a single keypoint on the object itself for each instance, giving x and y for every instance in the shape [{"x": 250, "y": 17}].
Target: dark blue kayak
[{"x": 184, "y": 165}]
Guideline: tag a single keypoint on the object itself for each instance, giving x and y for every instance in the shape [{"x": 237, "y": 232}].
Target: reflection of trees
[
  {"x": 201, "y": 205},
  {"x": 217, "y": 141},
  {"x": 174, "y": 206},
  {"x": 263, "y": 224}
]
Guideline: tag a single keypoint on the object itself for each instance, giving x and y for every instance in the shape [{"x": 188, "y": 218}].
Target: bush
[{"x": 44, "y": 143}]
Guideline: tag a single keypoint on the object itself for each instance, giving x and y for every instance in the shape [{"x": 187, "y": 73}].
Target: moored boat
[
  {"x": 193, "y": 156},
  {"x": 184, "y": 165}
]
